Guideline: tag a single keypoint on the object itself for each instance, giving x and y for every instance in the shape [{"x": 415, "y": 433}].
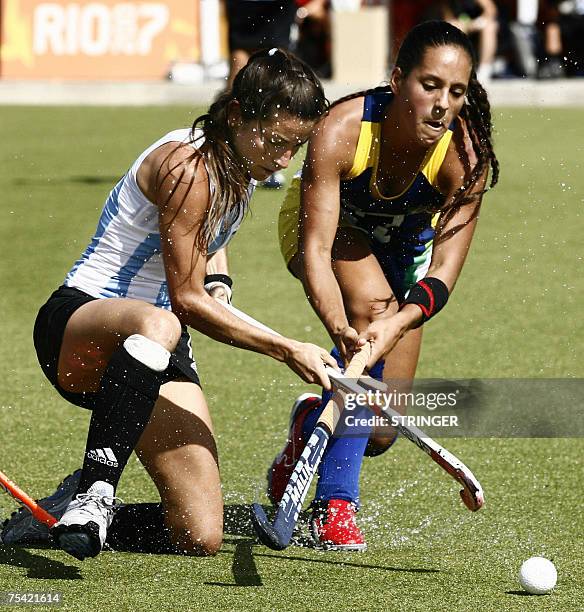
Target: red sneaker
[
  {"x": 283, "y": 465},
  {"x": 333, "y": 526}
]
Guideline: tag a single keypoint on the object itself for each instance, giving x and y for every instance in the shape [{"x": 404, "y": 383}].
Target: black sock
[
  {"x": 140, "y": 528},
  {"x": 123, "y": 405}
]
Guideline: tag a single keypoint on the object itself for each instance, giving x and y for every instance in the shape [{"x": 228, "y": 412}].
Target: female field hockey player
[
  {"x": 378, "y": 232},
  {"x": 113, "y": 338}
]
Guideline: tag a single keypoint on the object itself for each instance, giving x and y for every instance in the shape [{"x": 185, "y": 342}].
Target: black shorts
[
  {"x": 48, "y": 333},
  {"x": 257, "y": 24}
]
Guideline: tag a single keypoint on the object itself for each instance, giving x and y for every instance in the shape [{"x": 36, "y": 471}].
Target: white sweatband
[
  {"x": 213, "y": 284},
  {"x": 148, "y": 352}
]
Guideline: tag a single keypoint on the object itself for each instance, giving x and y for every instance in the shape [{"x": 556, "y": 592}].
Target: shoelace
[{"x": 102, "y": 503}]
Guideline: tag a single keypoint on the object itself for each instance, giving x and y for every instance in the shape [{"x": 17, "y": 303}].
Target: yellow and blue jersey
[{"x": 400, "y": 228}]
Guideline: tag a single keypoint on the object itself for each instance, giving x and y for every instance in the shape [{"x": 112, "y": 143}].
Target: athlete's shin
[
  {"x": 341, "y": 464},
  {"x": 128, "y": 391}
]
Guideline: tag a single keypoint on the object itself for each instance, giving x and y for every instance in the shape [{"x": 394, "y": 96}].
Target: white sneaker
[
  {"x": 82, "y": 530},
  {"x": 23, "y": 528},
  {"x": 274, "y": 181}
]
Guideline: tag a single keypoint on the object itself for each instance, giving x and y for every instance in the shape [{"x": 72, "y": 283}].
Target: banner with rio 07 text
[{"x": 102, "y": 39}]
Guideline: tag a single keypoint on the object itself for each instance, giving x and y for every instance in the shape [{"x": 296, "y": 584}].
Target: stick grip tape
[{"x": 354, "y": 370}]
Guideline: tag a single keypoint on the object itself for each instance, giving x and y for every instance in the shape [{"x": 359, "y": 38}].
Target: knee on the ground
[{"x": 199, "y": 541}]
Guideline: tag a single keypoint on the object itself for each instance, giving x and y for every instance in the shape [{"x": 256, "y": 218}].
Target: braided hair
[{"x": 476, "y": 112}]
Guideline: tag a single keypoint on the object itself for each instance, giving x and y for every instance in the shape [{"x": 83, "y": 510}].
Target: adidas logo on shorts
[{"x": 103, "y": 455}]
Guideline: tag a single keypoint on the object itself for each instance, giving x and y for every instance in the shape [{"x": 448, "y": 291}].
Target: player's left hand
[
  {"x": 347, "y": 342},
  {"x": 384, "y": 334}
]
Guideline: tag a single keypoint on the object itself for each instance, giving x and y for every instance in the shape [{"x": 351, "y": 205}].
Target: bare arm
[
  {"x": 330, "y": 155},
  {"x": 182, "y": 196},
  {"x": 451, "y": 245},
  {"x": 489, "y": 8}
]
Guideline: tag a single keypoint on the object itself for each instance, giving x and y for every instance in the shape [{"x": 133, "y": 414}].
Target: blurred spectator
[
  {"x": 552, "y": 61},
  {"x": 534, "y": 38},
  {"x": 478, "y": 19},
  {"x": 542, "y": 38},
  {"x": 313, "y": 42},
  {"x": 518, "y": 36},
  {"x": 254, "y": 25},
  {"x": 564, "y": 37}
]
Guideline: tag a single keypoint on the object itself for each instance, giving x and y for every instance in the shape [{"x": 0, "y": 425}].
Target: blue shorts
[{"x": 404, "y": 260}]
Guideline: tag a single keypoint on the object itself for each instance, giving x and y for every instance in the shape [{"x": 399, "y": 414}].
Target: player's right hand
[
  {"x": 308, "y": 361},
  {"x": 348, "y": 343}
]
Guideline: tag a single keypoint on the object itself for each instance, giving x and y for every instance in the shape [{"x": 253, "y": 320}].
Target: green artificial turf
[{"x": 515, "y": 314}]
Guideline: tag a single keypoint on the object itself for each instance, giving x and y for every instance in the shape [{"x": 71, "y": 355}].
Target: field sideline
[{"x": 516, "y": 313}]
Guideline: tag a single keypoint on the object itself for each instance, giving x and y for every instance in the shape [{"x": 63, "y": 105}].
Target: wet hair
[
  {"x": 476, "y": 112},
  {"x": 272, "y": 81}
]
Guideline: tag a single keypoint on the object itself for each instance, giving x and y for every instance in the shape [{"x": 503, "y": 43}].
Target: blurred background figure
[
  {"x": 542, "y": 38},
  {"x": 254, "y": 25},
  {"x": 533, "y": 31},
  {"x": 551, "y": 64},
  {"x": 477, "y": 19},
  {"x": 518, "y": 36},
  {"x": 563, "y": 35},
  {"x": 312, "y": 35},
  {"x": 572, "y": 25}
]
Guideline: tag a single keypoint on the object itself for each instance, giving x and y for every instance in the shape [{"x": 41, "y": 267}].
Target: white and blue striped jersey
[{"x": 124, "y": 259}]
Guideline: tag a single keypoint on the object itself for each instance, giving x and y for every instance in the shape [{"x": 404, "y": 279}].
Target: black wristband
[
  {"x": 219, "y": 278},
  {"x": 430, "y": 294}
]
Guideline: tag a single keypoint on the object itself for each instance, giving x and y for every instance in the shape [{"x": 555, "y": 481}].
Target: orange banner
[{"x": 105, "y": 39}]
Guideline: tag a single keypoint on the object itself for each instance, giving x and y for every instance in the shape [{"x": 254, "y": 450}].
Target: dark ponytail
[
  {"x": 272, "y": 80},
  {"x": 476, "y": 112}
]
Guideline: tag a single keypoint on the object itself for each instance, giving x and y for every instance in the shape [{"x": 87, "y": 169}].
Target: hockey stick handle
[
  {"x": 245, "y": 317},
  {"x": 354, "y": 370},
  {"x": 340, "y": 379},
  {"x": 20, "y": 496}
]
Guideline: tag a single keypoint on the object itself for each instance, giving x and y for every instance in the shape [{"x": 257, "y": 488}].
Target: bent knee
[
  {"x": 379, "y": 442},
  {"x": 195, "y": 539},
  {"x": 197, "y": 542},
  {"x": 161, "y": 326},
  {"x": 363, "y": 312}
]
